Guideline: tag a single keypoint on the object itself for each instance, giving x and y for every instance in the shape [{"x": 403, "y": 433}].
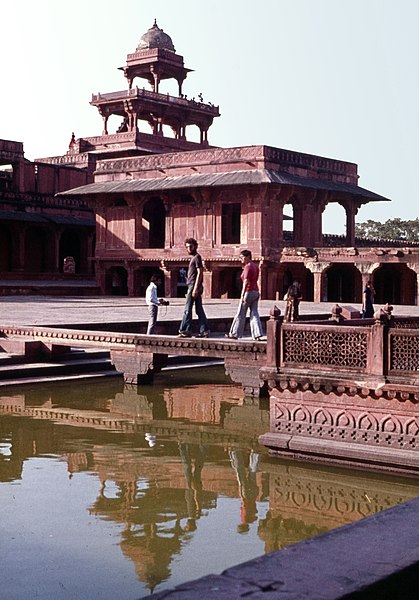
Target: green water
[{"x": 110, "y": 491}]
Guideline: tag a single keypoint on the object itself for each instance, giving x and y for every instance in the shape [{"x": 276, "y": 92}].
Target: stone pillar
[
  {"x": 168, "y": 280},
  {"x": 130, "y": 279},
  {"x": 263, "y": 279},
  {"x": 415, "y": 267},
  {"x": 366, "y": 270},
  {"x": 273, "y": 338},
  {"x": 207, "y": 279},
  {"x": 55, "y": 258},
  {"x": 318, "y": 270},
  {"x": 351, "y": 211}
]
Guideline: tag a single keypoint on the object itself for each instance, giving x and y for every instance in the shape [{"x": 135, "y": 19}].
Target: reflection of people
[
  {"x": 248, "y": 488},
  {"x": 192, "y": 472},
  {"x": 249, "y": 299},
  {"x": 368, "y": 301},
  {"x": 194, "y": 280},
  {"x": 150, "y": 438},
  {"x": 293, "y": 298},
  {"x": 152, "y": 302}
]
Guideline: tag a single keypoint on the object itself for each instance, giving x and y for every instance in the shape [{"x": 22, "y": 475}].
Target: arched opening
[
  {"x": 142, "y": 279},
  {"x": 343, "y": 283},
  {"x": 116, "y": 281},
  {"x": 37, "y": 258},
  {"x": 229, "y": 282},
  {"x": 395, "y": 284},
  {"x": 334, "y": 224},
  {"x": 154, "y": 221},
  {"x": 70, "y": 246},
  {"x": 6, "y": 249},
  {"x": 296, "y": 272},
  {"x": 288, "y": 223}
]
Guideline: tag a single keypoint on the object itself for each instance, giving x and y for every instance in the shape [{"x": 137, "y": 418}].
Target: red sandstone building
[{"x": 151, "y": 190}]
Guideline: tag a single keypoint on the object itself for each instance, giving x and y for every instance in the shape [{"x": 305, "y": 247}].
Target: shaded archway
[
  {"x": 154, "y": 220},
  {"x": 395, "y": 284},
  {"x": 70, "y": 246},
  {"x": 290, "y": 272},
  {"x": 6, "y": 249},
  {"x": 229, "y": 282},
  {"x": 38, "y": 250},
  {"x": 142, "y": 279},
  {"x": 116, "y": 281},
  {"x": 343, "y": 283}
]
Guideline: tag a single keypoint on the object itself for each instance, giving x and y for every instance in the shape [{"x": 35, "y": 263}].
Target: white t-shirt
[{"x": 151, "y": 295}]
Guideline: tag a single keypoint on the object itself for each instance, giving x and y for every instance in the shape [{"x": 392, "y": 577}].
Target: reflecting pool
[{"x": 113, "y": 491}]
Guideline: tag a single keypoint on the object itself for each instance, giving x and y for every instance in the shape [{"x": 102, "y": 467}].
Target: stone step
[
  {"x": 62, "y": 366},
  {"x": 59, "y": 378}
]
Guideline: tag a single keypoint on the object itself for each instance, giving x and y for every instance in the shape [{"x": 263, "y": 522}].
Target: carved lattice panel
[
  {"x": 404, "y": 352},
  {"x": 346, "y": 425},
  {"x": 329, "y": 348}
]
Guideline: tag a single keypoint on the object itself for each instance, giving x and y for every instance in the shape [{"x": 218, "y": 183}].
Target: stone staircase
[{"x": 73, "y": 365}]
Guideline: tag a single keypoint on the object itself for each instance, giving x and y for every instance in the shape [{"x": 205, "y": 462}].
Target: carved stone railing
[
  {"x": 403, "y": 351},
  {"x": 143, "y": 93},
  {"x": 140, "y": 356},
  {"x": 345, "y": 392}
]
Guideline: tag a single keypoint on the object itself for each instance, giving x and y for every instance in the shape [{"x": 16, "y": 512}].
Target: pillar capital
[
  {"x": 366, "y": 268},
  {"x": 317, "y": 267}
]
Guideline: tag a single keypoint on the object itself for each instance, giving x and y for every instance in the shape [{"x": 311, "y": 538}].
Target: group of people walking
[{"x": 249, "y": 298}]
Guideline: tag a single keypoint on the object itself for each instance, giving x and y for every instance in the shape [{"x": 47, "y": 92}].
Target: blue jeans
[
  {"x": 186, "y": 324},
  {"x": 251, "y": 300}
]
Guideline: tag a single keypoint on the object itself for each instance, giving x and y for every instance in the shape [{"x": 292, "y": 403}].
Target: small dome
[{"x": 156, "y": 38}]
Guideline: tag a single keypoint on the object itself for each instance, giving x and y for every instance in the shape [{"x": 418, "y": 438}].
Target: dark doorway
[
  {"x": 395, "y": 284},
  {"x": 117, "y": 281},
  {"x": 70, "y": 246},
  {"x": 6, "y": 249},
  {"x": 154, "y": 215},
  {"x": 343, "y": 283},
  {"x": 230, "y": 284},
  {"x": 37, "y": 258}
]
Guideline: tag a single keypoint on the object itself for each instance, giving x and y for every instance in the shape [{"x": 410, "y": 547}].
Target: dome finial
[{"x": 156, "y": 38}]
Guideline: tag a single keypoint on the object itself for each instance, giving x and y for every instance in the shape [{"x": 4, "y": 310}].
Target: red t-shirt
[{"x": 251, "y": 273}]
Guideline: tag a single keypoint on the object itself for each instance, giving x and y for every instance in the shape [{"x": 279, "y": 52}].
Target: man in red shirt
[{"x": 249, "y": 299}]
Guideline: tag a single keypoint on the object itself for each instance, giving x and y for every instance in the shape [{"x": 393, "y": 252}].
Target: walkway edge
[{"x": 377, "y": 557}]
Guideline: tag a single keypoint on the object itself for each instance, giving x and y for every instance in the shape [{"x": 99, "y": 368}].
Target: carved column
[
  {"x": 415, "y": 267},
  {"x": 208, "y": 287},
  {"x": 130, "y": 279},
  {"x": 366, "y": 270},
  {"x": 169, "y": 285},
  {"x": 263, "y": 279},
  {"x": 318, "y": 270}
]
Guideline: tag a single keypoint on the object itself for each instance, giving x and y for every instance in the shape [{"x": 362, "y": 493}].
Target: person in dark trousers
[
  {"x": 194, "y": 292},
  {"x": 293, "y": 298}
]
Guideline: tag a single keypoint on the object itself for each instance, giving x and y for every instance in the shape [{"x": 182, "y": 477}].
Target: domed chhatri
[{"x": 155, "y": 38}]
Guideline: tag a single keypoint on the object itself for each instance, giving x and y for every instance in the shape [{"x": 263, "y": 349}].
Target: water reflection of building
[
  {"x": 305, "y": 500},
  {"x": 158, "y": 496}
]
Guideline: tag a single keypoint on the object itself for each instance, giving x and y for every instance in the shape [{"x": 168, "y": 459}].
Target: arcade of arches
[
  {"x": 39, "y": 249},
  {"x": 394, "y": 283}
]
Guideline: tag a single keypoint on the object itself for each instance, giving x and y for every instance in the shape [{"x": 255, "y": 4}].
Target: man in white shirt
[{"x": 152, "y": 302}]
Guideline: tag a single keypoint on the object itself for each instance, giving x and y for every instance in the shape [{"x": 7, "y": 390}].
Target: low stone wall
[{"x": 377, "y": 557}]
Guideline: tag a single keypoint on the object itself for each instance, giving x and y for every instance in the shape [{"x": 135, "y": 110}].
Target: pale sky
[{"x": 336, "y": 78}]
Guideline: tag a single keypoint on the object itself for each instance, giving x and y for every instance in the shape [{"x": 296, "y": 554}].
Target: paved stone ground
[{"x": 57, "y": 310}]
